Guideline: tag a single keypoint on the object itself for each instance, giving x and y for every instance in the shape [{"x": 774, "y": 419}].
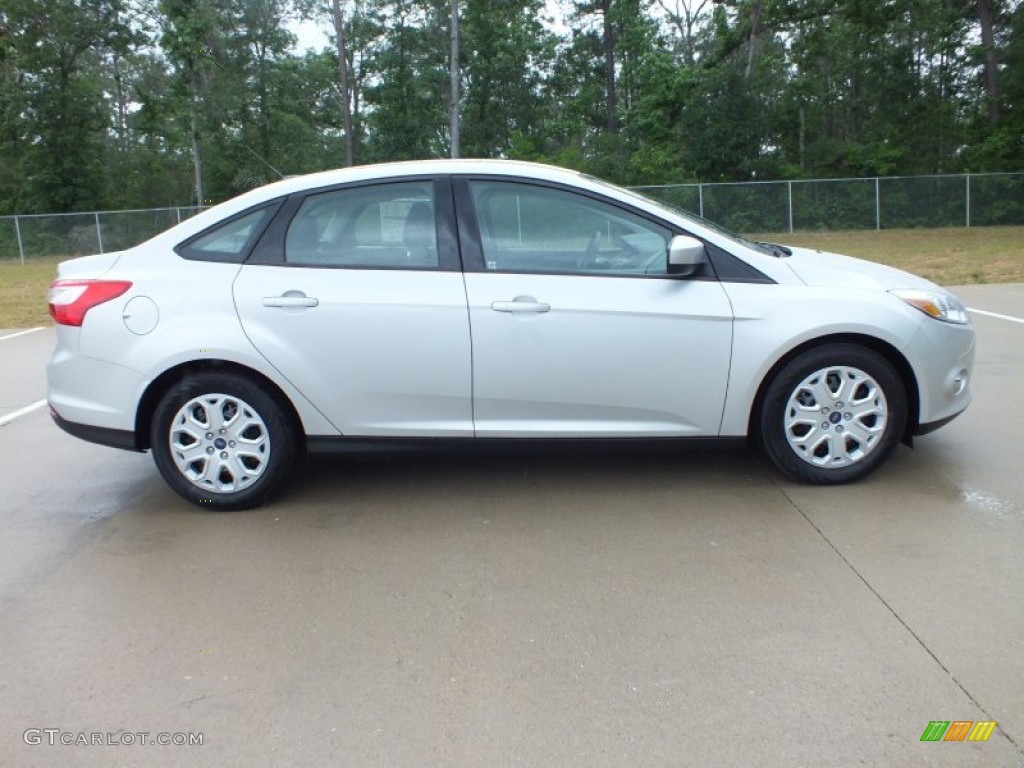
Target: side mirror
[{"x": 686, "y": 255}]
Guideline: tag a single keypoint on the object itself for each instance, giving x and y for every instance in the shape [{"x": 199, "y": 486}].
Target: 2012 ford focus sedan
[{"x": 478, "y": 300}]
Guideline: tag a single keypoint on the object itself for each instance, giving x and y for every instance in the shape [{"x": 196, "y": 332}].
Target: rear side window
[
  {"x": 369, "y": 227},
  {"x": 228, "y": 242}
]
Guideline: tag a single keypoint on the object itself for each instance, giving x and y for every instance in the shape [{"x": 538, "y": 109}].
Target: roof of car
[
  {"x": 330, "y": 178},
  {"x": 416, "y": 168},
  {"x": 427, "y": 169}
]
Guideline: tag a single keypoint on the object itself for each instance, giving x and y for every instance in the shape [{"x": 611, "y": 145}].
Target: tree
[
  {"x": 607, "y": 38},
  {"x": 54, "y": 107},
  {"x": 113, "y": 103},
  {"x": 454, "y": 78},
  {"x": 345, "y": 95},
  {"x": 986, "y": 20},
  {"x": 190, "y": 37},
  {"x": 408, "y": 115},
  {"x": 504, "y": 46}
]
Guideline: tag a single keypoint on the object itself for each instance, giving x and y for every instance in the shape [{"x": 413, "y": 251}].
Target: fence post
[
  {"x": 878, "y": 208},
  {"x": 178, "y": 211},
  {"x": 17, "y": 233},
  {"x": 99, "y": 231},
  {"x": 700, "y": 199},
  {"x": 967, "y": 206},
  {"x": 789, "y": 190}
]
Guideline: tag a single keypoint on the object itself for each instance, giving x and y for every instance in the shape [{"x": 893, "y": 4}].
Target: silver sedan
[{"x": 442, "y": 302}]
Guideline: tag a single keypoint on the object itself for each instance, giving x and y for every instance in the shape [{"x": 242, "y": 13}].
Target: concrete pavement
[{"x": 655, "y": 609}]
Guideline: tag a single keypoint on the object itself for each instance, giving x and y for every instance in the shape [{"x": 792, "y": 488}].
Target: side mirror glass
[{"x": 686, "y": 256}]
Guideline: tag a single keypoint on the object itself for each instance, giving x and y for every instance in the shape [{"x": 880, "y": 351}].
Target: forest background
[{"x": 110, "y": 104}]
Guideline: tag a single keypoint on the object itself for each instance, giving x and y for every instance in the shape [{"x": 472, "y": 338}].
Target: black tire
[
  {"x": 823, "y": 456},
  {"x": 251, "y": 468}
]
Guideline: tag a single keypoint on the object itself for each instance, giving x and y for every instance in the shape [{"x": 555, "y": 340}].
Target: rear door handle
[
  {"x": 521, "y": 304},
  {"x": 291, "y": 300}
]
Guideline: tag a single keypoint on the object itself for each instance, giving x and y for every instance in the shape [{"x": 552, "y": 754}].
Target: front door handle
[
  {"x": 521, "y": 304},
  {"x": 291, "y": 300}
]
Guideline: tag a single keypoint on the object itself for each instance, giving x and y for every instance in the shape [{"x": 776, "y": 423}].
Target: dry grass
[
  {"x": 945, "y": 256},
  {"x": 23, "y": 292}
]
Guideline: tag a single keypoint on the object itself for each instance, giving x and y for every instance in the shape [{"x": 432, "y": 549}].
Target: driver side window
[{"x": 527, "y": 228}]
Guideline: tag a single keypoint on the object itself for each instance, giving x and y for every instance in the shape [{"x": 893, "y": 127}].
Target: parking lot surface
[{"x": 655, "y": 608}]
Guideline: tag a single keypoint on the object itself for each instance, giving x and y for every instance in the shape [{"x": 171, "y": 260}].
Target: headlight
[{"x": 941, "y": 306}]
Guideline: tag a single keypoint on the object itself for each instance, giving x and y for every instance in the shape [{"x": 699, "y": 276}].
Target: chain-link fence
[
  {"x": 80, "y": 234},
  {"x": 966, "y": 200},
  {"x": 894, "y": 202}
]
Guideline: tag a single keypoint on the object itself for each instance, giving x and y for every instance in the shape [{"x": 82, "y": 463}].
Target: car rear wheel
[
  {"x": 221, "y": 441},
  {"x": 833, "y": 414}
]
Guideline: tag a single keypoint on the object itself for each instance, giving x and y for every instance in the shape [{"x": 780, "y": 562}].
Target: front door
[{"x": 577, "y": 329}]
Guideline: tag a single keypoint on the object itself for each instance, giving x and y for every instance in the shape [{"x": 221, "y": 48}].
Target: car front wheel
[
  {"x": 221, "y": 441},
  {"x": 833, "y": 414}
]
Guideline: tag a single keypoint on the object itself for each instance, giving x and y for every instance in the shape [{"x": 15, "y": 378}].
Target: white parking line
[
  {"x": 20, "y": 333},
  {"x": 1011, "y": 318},
  {"x": 21, "y": 412}
]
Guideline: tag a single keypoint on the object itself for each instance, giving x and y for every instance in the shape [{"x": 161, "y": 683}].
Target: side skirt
[{"x": 319, "y": 446}]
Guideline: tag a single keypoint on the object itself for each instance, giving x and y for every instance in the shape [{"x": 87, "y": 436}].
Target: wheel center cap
[
  {"x": 835, "y": 417},
  {"x": 220, "y": 443}
]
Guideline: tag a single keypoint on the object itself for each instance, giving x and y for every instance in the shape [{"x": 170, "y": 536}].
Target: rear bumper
[
  {"x": 86, "y": 391},
  {"x": 114, "y": 438}
]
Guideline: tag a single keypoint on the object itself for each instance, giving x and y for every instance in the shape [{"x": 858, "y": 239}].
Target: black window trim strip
[
  {"x": 270, "y": 250},
  {"x": 472, "y": 248},
  {"x": 242, "y": 256}
]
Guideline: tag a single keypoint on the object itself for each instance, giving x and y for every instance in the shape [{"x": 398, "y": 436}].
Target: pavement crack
[{"x": 896, "y": 615}]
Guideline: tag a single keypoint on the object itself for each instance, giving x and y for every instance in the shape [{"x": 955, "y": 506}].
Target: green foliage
[
  {"x": 53, "y": 106},
  {"x": 407, "y": 115},
  {"x": 113, "y": 104},
  {"x": 504, "y": 44},
  {"x": 1002, "y": 147}
]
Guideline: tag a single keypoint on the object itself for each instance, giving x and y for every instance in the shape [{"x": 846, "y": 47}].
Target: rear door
[
  {"x": 355, "y": 295},
  {"x": 577, "y": 328}
]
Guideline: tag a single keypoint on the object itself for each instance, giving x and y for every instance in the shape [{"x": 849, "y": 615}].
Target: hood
[{"x": 834, "y": 270}]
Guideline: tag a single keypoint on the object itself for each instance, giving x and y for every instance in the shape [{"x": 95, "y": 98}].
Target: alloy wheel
[
  {"x": 219, "y": 443},
  {"x": 836, "y": 417}
]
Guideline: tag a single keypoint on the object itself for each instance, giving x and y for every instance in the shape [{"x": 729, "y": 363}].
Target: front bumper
[
  {"x": 924, "y": 429},
  {"x": 942, "y": 357}
]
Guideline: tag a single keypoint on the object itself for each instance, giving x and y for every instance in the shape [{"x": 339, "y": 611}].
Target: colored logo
[{"x": 958, "y": 730}]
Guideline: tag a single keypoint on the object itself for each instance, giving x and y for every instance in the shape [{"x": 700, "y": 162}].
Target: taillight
[{"x": 71, "y": 299}]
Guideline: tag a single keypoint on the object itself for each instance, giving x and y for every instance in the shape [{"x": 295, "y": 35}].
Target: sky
[
  {"x": 309, "y": 34},
  {"x": 314, "y": 34}
]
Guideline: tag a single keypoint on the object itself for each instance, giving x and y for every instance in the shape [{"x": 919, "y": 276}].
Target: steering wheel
[{"x": 591, "y": 254}]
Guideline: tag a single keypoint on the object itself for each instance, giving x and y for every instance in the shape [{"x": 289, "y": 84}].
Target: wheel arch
[
  {"x": 163, "y": 383},
  {"x": 883, "y": 348}
]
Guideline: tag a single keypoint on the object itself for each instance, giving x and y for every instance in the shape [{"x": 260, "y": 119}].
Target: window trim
[
  {"x": 270, "y": 251},
  {"x": 254, "y": 239},
  {"x": 472, "y": 242},
  {"x": 469, "y": 229}
]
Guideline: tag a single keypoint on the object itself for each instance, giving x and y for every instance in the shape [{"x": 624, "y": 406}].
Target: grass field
[
  {"x": 23, "y": 292},
  {"x": 945, "y": 256}
]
